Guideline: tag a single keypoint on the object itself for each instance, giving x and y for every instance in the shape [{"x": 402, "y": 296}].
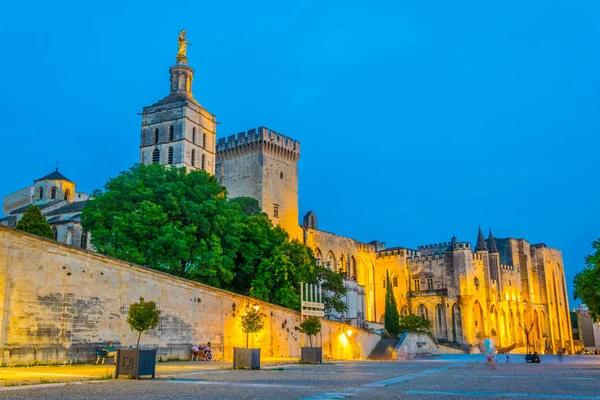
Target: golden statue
[{"x": 181, "y": 54}]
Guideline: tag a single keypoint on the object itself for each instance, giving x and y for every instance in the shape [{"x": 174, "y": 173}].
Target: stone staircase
[{"x": 383, "y": 350}]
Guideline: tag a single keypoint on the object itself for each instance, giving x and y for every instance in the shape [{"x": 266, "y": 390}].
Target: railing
[{"x": 428, "y": 292}]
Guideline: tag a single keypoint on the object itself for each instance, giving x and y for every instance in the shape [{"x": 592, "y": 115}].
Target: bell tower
[{"x": 177, "y": 130}]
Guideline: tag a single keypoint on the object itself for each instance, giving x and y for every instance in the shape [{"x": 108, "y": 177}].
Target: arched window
[
  {"x": 476, "y": 283},
  {"x": 204, "y": 140},
  {"x": 171, "y": 133},
  {"x": 67, "y": 195},
  {"x": 156, "y": 156},
  {"x": 155, "y": 139},
  {"x": 55, "y": 233},
  {"x": 194, "y": 135},
  {"x": 422, "y": 312},
  {"x": 203, "y": 162},
  {"x": 84, "y": 239},
  {"x": 53, "y": 193},
  {"x": 395, "y": 280},
  {"x": 193, "y": 157},
  {"x": 170, "y": 157},
  {"x": 40, "y": 193}
]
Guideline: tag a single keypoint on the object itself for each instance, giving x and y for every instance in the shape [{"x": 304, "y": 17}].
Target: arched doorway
[
  {"x": 441, "y": 331},
  {"x": 457, "y": 334},
  {"x": 422, "y": 312},
  {"x": 478, "y": 330}
]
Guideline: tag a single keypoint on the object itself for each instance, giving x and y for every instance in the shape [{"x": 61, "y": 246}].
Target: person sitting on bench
[{"x": 110, "y": 350}]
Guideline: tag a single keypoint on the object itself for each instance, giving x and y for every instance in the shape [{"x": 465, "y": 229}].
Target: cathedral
[{"x": 504, "y": 288}]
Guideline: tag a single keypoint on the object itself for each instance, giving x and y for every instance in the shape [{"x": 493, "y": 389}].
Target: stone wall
[{"x": 59, "y": 303}]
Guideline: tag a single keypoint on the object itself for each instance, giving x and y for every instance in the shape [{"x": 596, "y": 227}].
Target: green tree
[
  {"x": 587, "y": 282},
  {"x": 182, "y": 223},
  {"x": 167, "y": 219},
  {"x": 142, "y": 317},
  {"x": 414, "y": 323},
  {"x": 253, "y": 321},
  {"x": 311, "y": 326},
  {"x": 34, "y": 222},
  {"x": 392, "y": 318}
]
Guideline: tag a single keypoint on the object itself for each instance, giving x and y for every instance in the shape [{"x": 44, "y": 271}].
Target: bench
[{"x": 101, "y": 354}]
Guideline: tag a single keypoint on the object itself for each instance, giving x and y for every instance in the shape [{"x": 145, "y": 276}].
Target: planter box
[
  {"x": 312, "y": 355},
  {"x": 246, "y": 358},
  {"x": 135, "y": 363}
]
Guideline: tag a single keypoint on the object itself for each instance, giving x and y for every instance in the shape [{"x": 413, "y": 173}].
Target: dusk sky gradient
[{"x": 417, "y": 120}]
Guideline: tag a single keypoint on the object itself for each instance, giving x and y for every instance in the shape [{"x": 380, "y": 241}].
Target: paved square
[{"x": 463, "y": 377}]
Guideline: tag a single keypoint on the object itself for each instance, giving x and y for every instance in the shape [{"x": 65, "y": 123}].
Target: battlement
[
  {"x": 423, "y": 258},
  {"x": 505, "y": 267},
  {"x": 390, "y": 253},
  {"x": 263, "y": 139},
  {"x": 434, "y": 246},
  {"x": 478, "y": 256}
]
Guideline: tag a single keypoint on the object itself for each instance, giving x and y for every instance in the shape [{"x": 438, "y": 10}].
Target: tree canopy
[
  {"x": 391, "y": 319},
  {"x": 253, "y": 321},
  {"x": 587, "y": 282},
  {"x": 142, "y": 317},
  {"x": 33, "y": 221},
  {"x": 183, "y": 223},
  {"x": 414, "y": 323},
  {"x": 311, "y": 326}
]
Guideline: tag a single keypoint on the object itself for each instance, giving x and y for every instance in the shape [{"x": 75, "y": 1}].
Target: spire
[
  {"x": 481, "y": 246},
  {"x": 492, "y": 243}
]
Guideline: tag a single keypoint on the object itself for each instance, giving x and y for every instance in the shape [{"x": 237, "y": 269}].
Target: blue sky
[{"x": 418, "y": 120}]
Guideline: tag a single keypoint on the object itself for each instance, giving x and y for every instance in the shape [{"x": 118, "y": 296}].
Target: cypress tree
[
  {"x": 34, "y": 222},
  {"x": 392, "y": 318}
]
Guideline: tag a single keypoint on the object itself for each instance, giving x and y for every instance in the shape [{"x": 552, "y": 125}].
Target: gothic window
[
  {"x": 384, "y": 281},
  {"x": 194, "y": 135},
  {"x": 155, "y": 138},
  {"x": 429, "y": 283},
  {"x": 171, "y": 133},
  {"x": 204, "y": 140},
  {"x": 394, "y": 281},
  {"x": 275, "y": 210},
  {"x": 193, "y": 157},
  {"x": 170, "y": 157},
  {"x": 55, "y": 233},
  {"x": 40, "y": 193},
  {"x": 156, "y": 156},
  {"x": 416, "y": 284},
  {"x": 476, "y": 283},
  {"x": 67, "y": 195},
  {"x": 53, "y": 193},
  {"x": 84, "y": 239},
  {"x": 203, "y": 162}
]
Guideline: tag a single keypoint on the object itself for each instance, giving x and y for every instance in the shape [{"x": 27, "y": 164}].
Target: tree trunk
[
  {"x": 310, "y": 340},
  {"x": 138, "y": 342},
  {"x": 247, "y": 336}
]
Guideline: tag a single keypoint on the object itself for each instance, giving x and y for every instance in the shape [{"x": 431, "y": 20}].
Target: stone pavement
[{"x": 463, "y": 377}]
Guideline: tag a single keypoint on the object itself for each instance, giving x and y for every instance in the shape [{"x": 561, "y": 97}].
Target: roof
[
  {"x": 68, "y": 208},
  {"x": 40, "y": 206},
  {"x": 54, "y": 176}
]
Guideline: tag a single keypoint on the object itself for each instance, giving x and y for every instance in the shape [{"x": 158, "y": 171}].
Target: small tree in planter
[
  {"x": 252, "y": 321},
  {"x": 142, "y": 317},
  {"x": 311, "y": 326}
]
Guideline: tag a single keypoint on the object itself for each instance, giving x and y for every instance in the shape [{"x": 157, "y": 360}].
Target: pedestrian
[{"x": 507, "y": 358}]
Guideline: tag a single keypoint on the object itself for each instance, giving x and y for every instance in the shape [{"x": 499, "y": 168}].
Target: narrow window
[
  {"x": 193, "y": 157},
  {"x": 171, "y": 133},
  {"x": 155, "y": 136},
  {"x": 281, "y": 175},
  {"x": 204, "y": 140},
  {"x": 194, "y": 135},
  {"x": 84, "y": 239},
  {"x": 67, "y": 195},
  {"x": 384, "y": 283},
  {"x": 476, "y": 283},
  {"x": 275, "y": 210},
  {"x": 203, "y": 162},
  {"x": 156, "y": 156},
  {"x": 429, "y": 283},
  {"x": 394, "y": 281},
  {"x": 40, "y": 193},
  {"x": 170, "y": 159},
  {"x": 53, "y": 193},
  {"x": 416, "y": 284},
  {"x": 55, "y": 233}
]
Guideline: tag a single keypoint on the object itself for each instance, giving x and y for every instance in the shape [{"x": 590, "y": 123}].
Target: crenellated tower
[
  {"x": 177, "y": 130},
  {"x": 263, "y": 164}
]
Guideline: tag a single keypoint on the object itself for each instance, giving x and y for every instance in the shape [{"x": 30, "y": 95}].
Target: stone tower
[
  {"x": 263, "y": 164},
  {"x": 177, "y": 130}
]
